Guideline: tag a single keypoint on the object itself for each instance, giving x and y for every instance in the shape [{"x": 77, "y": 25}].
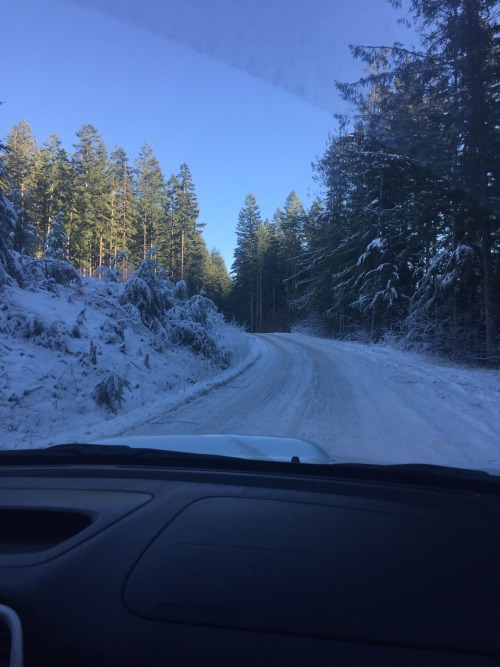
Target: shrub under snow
[
  {"x": 109, "y": 392},
  {"x": 173, "y": 317}
]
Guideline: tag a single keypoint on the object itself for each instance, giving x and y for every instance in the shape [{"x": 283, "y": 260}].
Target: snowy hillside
[{"x": 74, "y": 358}]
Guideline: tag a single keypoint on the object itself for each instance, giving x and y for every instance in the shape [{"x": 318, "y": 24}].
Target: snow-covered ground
[
  {"x": 355, "y": 401},
  {"x": 56, "y": 346}
]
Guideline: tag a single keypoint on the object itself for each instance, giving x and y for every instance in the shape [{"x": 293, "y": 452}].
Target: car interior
[{"x": 162, "y": 558}]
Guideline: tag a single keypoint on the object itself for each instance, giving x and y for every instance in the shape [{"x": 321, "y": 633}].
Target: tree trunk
[
  {"x": 477, "y": 116},
  {"x": 182, "y": 254},
  {"x": 489, "y": 320}
]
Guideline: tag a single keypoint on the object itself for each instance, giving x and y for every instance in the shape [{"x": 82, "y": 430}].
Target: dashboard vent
[{"x": 29, "y": 530}]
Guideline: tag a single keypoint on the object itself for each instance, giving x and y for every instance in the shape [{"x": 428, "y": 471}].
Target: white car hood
[{"x": 255, "y": 447}]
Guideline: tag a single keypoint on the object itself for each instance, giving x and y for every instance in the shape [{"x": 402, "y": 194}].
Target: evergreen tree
[
  {"x": 245, "y": 266},
  {"x": 150, "y": 200},
  {"x": 361, "y": 264},
  {"x": 20, "y": 161},
  {"x": 189, "y": 251},
  {"x": 439, "y": 107},
  {"x": 52, "y": 189},
  {"x": 275, "y": 307},
  {"x": 291, "y": 237},
  {"x": 25, "y": 240},
  {"x": 169, "y": 229},
  {"x": 56, "y": 242},
  {"x": 88, "y": 227},
  {"x": 56, "y": 265},
  {"x": 8, "y": 222},
  {"x": 217, "y": 282},
  {"x": 122, "y": 213},
  {"x": 196, "y": 260}
]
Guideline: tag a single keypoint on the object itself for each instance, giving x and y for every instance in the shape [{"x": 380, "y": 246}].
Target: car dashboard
[{"x": 215, "y": 561}]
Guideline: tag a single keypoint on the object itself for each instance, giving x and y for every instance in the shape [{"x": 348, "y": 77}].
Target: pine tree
[
  {"x": 55, "y": 262},
  {"x": 169, "y": 228},
  {"x": 217, "y": 282},
  {"x": 361, "y": 264},
  {"x": 8, "y": 222},
  {"x": 122, "y": 213},
  {"x": 25, "y": 240},
  {"x": 196, "y": 259},
  {"x": 52, "y": 189},
  {"x": 56, "y": 242},
  {"x": 150, "y": 198},
  {"x": 439, "y": 107},
  {"x": 188, "y": 250},
  {"x": 88, "y": 226},
  {"x": 245, "y": 266},
  {"x": 20, "y": 161},
  {"x": 291, "y": 238}
]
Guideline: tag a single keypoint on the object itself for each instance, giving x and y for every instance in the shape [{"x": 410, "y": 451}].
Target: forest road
[{"x": 364, "y": 402}]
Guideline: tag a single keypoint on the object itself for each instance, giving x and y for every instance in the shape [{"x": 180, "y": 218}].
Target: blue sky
[{"x": 249, "y": 117}]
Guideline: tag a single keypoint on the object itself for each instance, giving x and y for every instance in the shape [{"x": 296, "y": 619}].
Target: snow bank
[{"x": 76, "y": 364}]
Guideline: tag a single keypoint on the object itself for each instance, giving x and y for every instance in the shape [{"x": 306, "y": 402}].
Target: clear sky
[{"x": 243, "y": 91}]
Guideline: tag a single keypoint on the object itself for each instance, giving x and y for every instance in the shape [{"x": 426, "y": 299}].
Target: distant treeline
[{"x": 111, "y": 208}]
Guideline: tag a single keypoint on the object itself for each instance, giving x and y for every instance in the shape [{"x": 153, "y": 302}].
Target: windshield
[{"x": 273, "y": 219}]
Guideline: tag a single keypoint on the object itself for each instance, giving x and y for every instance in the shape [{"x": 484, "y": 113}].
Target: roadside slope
[{"x": 76, "y": 363}]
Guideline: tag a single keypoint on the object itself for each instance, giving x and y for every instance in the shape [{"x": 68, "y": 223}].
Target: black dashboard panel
[
  {"x": 184, "y": 566},
  {"x": 323, "y": 570}
]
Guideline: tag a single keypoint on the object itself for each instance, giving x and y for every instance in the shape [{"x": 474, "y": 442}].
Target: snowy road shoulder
[{"x": 153, "y": 413}]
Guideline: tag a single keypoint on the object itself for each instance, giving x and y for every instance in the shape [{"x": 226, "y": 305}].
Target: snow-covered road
[{"x": 353, "y": 400}]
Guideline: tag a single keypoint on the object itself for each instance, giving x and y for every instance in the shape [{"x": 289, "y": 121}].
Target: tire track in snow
[{"x": 291, "y": 390}]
